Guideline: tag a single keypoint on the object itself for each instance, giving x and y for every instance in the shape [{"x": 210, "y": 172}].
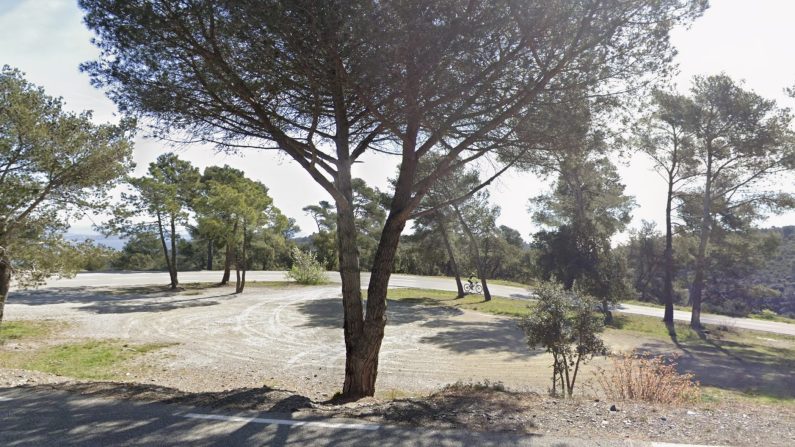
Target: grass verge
[
  {"x": 25, "y": 329},
  {"x": 772, "y": 316},
  {"x": 497, "y": 306},
  {"x": 95, "y": 359}
]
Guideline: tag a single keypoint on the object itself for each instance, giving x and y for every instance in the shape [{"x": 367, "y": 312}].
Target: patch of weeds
[
  {"x": 769, "y": 315},
  {"x": 395, "y": 394},
  {"x": 719, "y": 395},
  {"x": 84, "y": 360},
  {"x": 25, "y": 329},
  {"x": 485, "y": 385}
]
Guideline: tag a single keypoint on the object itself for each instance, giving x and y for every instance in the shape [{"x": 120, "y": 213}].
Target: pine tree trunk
[
  {"x": 173, "y": 266},
  {"x": 364, "y": 333},
  {"x": 486, "y": 292},
  {"x": 162, "y": 233},
  {"x": 227, "y": 265},
  {"x": 473, "y": 246},
  {"x": 240, "y": 265},
  {"x": 360, "y": 367},
  {"x": 451, "y": 256},
  {"x": 5, "y": 283},
  {"x": 209, "y": 255},
  {"x": 697, "y": 288},
  {"x": 668, "y": 293}
]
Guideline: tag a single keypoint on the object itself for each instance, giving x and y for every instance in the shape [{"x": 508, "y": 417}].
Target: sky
[{"x": 748, "y": 40}]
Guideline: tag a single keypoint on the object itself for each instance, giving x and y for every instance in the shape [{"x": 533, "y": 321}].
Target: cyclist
[{"x": 472, "y": 280}]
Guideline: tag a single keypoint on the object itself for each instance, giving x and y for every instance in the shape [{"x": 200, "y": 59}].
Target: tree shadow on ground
[
  {"x": 733, "y": 365},
  {"x": 259, "y": 399},
  {"x": 444, "y": 330},
  {"x": 137, "y": 414},
  {"x": 327, "y": 312},
  {"x": 132, "y": 306},
  {"x": 115, "y": 300},
  {"x": 502, "y": 335}
]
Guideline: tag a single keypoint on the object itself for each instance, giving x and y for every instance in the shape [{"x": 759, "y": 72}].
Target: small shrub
[
  {"x": 306, "y": 269},
  {"x": 485, "y": 385},
  {"x": 648, "y": 378},
  {"x": 564, "y": 323},
  {"x": 767, "y": 314}
]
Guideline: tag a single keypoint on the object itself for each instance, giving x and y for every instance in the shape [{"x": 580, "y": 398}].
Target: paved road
[
  {"x": 55, "y": 418},
  {"x": 130, "y": 279}
]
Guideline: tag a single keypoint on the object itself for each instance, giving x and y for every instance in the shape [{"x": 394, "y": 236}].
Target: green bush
[
  {"x": 566, "y": 325},
  {"x": 306, "y": 268}
]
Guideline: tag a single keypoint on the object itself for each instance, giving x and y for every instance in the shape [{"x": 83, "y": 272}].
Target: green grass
[
  {"x": 710, "y": 394},
  {"x": 772, "y": 316},
  {"x": 16, "y": 330},
  {"x": 96, "y": 359},
  {"x": 497, "y": 306},
  {"x": 505, "y": 282},
  {"x": 653, "y": 327},
  {"x": 285, "y": 283},
  {"x": 657, "y": 305}
]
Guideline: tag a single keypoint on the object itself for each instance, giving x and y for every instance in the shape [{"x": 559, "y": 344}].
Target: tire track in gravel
[{"x": 294, "y": 336}]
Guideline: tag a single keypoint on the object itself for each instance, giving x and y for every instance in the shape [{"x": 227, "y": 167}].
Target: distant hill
[
  {"x": 779, "y": 273},
  {"x": 114, "y": 242}
]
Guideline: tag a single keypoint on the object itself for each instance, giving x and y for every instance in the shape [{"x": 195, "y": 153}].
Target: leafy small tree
[
  {"x": 585, "y": 209},
  {"x": 54, "y": 166},
  {"x": 158, "y": 204},
  {"x": 565, "y": 324},
  {"x": 306, "y": 269},
  {"x": 230, "y": 209}
]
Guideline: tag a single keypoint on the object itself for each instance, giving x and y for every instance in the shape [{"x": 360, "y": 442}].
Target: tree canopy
[
  {"x": 328, "y": 81},
  {"x": 54, "y": 165}
]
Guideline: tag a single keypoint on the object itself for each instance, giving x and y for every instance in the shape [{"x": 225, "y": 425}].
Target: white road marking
[
  {"x": 668, "y": 444},
  {"x": 217, "y": 417}
]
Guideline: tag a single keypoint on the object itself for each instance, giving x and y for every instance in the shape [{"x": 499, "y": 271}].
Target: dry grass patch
[{"x": 647, "y": 378}]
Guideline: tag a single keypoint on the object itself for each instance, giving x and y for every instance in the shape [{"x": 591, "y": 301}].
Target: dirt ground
[
  {"x": 280, "y": 349},
  {"x": 291, "y": 338}
]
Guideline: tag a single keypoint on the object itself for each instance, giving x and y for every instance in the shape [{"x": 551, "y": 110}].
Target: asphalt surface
[
  {"x": 397, "y": 280},
  {"x": 55, "y": 418}
]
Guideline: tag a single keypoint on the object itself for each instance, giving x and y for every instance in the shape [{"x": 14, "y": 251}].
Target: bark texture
[
  {"x": 5, "y": 283},
  {"x": 697, "y": 288}
]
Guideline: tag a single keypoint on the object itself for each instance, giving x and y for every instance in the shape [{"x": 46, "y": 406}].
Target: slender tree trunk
[
  {"x": 173, "y": 266},
  {"x": 227, "y": 265},
  {"x": 209, "y": 254},
  {"x": 360, "y": 364},
  {"x": 486, "y": 291},
  {"x": 451, "y": 255},
  {"x": 697, "y": 288},
  {"x": 162, "y": 233},
  {"x": 240, "y": 265},
  {"x": 668, "y": 292},
  {"x": 5, "y": 283},
  {"x": 473, "y": 244}
]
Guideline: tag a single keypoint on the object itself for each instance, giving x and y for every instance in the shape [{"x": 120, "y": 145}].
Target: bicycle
[{"x": 473, "y": 287}]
